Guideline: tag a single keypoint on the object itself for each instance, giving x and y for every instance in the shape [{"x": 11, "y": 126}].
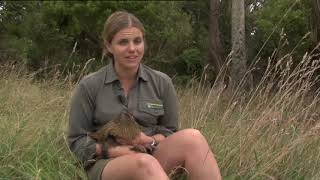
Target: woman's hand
[
  {"x": 120, "y": 151},
  {"x": 143, "y": 140},
  {"x": 115, "y": 151}
]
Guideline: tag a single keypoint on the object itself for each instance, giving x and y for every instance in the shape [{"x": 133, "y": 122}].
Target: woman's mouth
[{"x": 131, "y": 57}]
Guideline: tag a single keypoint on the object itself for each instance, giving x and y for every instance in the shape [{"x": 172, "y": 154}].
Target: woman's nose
[{"x": 131, "y": 47}]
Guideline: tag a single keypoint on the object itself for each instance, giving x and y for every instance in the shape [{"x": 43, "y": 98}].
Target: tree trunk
[
  {"x": 238, "y": 67},
  {"x": 216, "y": 58},
  {"x": 315, "y": 21}
]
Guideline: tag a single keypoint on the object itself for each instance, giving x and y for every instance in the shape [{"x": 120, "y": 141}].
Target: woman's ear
[{"x": 108, "y": 47}]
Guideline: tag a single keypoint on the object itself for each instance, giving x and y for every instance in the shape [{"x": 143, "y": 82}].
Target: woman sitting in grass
[{"x": 127, "y": 85}]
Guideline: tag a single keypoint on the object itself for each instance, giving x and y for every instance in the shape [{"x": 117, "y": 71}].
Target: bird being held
[{"x": 122, "y": 127}]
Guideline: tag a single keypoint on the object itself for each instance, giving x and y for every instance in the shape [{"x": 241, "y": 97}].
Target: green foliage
[
  {"x": 188, "y": 65},
  {"x": 286, "y": 22},
  {"x": 68, "y": 33},
  {"x": 189, "y": 62}
]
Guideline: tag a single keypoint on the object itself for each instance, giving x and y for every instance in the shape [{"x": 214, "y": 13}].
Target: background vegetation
[
  {"x": 65, "y": 35},
  {"x": 270, "y": 131}
]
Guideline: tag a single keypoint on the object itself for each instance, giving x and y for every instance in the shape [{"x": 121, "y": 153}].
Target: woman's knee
[
  {"x": 192, "y": 138},
  {"x": 145, "y": 160},
  {"x": 147, "y": 164},
  {"x": 136, "y": 166},
  {"x": 192, "y": 132}
]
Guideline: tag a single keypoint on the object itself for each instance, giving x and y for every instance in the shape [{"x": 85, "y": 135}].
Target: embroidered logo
[{"x": 154, "y": 106}]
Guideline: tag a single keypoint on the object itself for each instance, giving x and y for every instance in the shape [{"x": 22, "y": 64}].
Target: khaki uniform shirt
[{"x": 99, "y": 97}]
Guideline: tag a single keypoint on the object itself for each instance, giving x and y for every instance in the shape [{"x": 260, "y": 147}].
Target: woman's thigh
[
  {"x": 133, "y": 166},
  {"x": 172, "y": 151}
]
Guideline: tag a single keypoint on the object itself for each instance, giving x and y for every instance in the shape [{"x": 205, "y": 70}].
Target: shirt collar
[
  {"x": 111, "y": 74},
  {"x": 142, "y": 73}
]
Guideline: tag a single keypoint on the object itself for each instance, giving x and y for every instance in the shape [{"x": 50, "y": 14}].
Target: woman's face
[{"x": 127, "y": 47}]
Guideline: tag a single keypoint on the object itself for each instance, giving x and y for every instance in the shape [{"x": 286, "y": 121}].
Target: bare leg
[
  {"x": 134, "y": 167},
  {"x": 190, "y": 149}
]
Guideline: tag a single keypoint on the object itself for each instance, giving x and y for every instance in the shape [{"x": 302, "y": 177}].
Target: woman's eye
[
  {"x": 137, "y": 40},
  {"x": 123, "y": 42}
]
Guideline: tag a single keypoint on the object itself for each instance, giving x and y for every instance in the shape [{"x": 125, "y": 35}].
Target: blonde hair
[{"x": 115, "y": 23}]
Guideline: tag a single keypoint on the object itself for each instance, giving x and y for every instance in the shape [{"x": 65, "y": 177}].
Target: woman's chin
[{"x": 132, "y": 65}]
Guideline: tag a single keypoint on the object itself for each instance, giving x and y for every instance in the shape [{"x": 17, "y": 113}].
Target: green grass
[
  {"x": 262, "y": 134},
  {"x": 33, "y": 125}
]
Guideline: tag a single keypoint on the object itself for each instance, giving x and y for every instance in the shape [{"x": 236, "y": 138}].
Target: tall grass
[
  {"x": 271, "y": 132},
  {"x": 33, "y": 125}
]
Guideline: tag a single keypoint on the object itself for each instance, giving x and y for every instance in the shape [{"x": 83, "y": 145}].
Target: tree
[
  {"x": 238, "y": 67},
  {"x": 315, "y": 21},
  {"x": 216, "y": 57}
]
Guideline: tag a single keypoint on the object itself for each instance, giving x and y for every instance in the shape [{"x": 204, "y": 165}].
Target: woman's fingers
[
  {"x": 142, "y": 139},
  {"x": 120, "y": 150}
]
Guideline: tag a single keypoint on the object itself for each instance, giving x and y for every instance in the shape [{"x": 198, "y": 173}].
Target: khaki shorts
[{"x": 95, "y": 172}]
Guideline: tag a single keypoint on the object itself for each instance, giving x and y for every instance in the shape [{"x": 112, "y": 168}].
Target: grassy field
[{"x": 262, "y": 134}]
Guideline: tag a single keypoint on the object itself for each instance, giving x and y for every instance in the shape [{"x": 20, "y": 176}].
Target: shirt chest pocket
[{"x": 150, "y": 111}]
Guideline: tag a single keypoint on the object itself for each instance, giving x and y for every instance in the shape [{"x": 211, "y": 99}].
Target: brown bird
[{"x": 124, "y": 127}]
